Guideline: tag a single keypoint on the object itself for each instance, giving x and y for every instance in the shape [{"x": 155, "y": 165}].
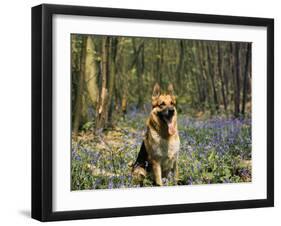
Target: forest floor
[{"x": 215, "y": 150}]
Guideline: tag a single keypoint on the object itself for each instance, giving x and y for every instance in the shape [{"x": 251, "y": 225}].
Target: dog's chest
[{"x": 165, "y": 148}]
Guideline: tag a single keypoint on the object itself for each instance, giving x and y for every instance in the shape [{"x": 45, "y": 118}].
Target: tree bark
[
  {"x": 211, "y": 74},
  {"x": 237, "y": 80},
  {"x": 113, "y": 47},
  {"x": 159, "y": 62},
  {"x": 203, "y": 74},
  {"x": 246, "y": 71},
  {"x": 196, "y": 73},
  {"x": 180, "y": 67},
  {"x": 220, "y": 72},
  {"x": 90, "y": 72},
  {"x": 80, "y": 89},
  {"x": 139, "y": 64},
  {"x": 102, "y": 110},
  {"x": 226, "y": 71}
]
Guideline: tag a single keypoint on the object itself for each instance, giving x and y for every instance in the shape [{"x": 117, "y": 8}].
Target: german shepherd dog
[{"x": 159, "y": 150}]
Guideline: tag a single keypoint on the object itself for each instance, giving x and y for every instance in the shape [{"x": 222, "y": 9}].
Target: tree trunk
[
  {"x": 197, "y": 73},
  {"x": 80, "y": 89},
  {"x": 112, "y": 78},
  {"x": 202, "y": 63},
  {"x": 140, "y": 69},
  {"x": 220, "y": 72},
  {"x": 179, "y": 72},
  {"x": 90, "y": 72},
  {"x": 211, "y": 74},
  {"x": 246, "y": 71},
  {"x": 139, "y": 64},
  {"x": 159, "y": 61},
  {"x": 226, "y": 72},
  {"x": 102, "y": 109},
  {"x": 237, "y": 80}
]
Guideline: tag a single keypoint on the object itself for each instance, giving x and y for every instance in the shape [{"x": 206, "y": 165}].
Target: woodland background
[{"x": 112, "y": 80}]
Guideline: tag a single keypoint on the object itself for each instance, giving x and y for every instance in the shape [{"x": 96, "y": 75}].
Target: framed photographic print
[{"x": 145, "y": 112}]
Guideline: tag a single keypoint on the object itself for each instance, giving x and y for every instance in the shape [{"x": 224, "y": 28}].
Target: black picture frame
[{"x": 42, "y": 108}]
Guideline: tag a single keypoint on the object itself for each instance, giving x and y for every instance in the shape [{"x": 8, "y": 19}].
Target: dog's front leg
[{"x": 156, "y": 167}]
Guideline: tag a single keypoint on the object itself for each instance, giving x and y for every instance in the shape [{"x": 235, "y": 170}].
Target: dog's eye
[
  {"x": 172, "y": 103},
  {"x": 162, "y": 104}
]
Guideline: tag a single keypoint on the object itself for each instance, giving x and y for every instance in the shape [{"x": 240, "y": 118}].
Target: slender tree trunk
[
  {"x": 119, "y": 68},
  {"x": 197, "y": 73},
  {"x": 102, "y": 110},
  {"x": 125, "y": 66},
  {"x": 212, "y": 75},
  {"x": 180, "y": 67},
  {"x": 159, "y": 61},
  {"x": 80, "y": 88},
  {"x": 202, "y": 63},
  {"x": 233, "y": 86},
  {"x": 75, "y": 60},
  {"x": 113, "y": 47},
  {"x": 220, "y": 72},
  {"x": 141, "y": 77},
  {"x": 138, "y": 63},
  {"x": 245, "y": 83},
  {"x": 226, "y": 70},
  {"x": 237, "y": 80},
  {"x": 90, "y": 72},
  {"x": 206, "y": 75}
]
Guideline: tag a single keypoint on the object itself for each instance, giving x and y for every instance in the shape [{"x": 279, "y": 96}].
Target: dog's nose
[{"x": 171, "y": 111}]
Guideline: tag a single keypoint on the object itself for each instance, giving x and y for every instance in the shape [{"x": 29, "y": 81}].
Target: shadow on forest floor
[{"x": 216, "y": 150}]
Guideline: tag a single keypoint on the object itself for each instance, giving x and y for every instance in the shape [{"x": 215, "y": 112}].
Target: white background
[{"x": 15, "y": 93}]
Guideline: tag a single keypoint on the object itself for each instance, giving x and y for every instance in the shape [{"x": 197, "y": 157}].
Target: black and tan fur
[{"x": 159, "y": 151}]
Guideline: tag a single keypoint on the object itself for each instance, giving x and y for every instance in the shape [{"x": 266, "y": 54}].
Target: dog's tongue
[{"x": 171, "y": 128}]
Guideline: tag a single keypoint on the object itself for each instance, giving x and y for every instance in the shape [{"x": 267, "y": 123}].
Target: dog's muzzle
[
  {"x": 171, "y": 112},
  {"x": 167, "y": 113}
]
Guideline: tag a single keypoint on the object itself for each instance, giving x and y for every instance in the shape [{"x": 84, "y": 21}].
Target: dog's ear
[
  {"x": 156, "y": 91},
  {"x": 171, "y": 89},
  {"x": 155, "y": 94}
]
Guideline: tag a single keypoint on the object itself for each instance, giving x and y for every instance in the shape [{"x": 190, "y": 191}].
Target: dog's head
[{"x": 164, "y": 106}]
